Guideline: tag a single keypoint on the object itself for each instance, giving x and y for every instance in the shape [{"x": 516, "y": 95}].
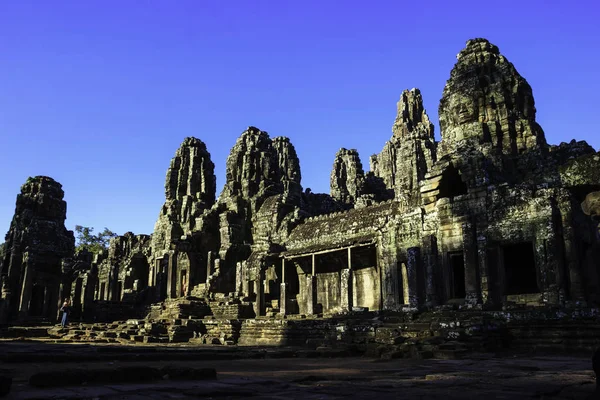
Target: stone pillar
[
  {"x": 238, "y": 278},
  {"x": 412, "y": 267},
  {"x": 155, "y": 272},
  {"x": 259, "y": 304},
  {"x": 573, "y": 263},
  {"x": 283, "y": 301},
  {"x": 25, "y": 289},
  {"x": 172, "y": 275},
  {"x": 311, "y": 294},
  {"x": 46, "y": 306},
  {"x": 6, "y": 297},
  {"x": 430, "y": 257},
  {"x": 470, "y": 256},
  {"x": 388, "y": 268},
  {"x": 158, "y": 281},
  {"x": 245, "y": 280},
  {"x": 482, "y": 258},
  {"x": 15, "y": 266},
  {"x": 547, "y": 254},
  {"x": 209, "y": 264},
  {"x": 346, "y": 289}
]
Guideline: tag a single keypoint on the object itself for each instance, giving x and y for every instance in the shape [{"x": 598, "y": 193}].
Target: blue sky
[{"x": 99, "y": 94}]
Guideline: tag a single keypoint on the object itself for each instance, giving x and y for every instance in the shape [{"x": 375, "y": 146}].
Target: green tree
[{"x": 86, "y": 240}]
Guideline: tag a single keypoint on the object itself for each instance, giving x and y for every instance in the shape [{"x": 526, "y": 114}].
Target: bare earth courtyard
[{"x": 40, "y": 371}]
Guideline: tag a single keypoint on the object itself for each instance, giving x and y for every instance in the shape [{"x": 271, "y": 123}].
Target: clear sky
[{"x": 98, "y": 94}]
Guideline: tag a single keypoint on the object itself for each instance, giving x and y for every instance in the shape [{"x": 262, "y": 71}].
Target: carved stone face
[
  {"x": 465, "y": 110},
  {"x": 591, "y": 206}
]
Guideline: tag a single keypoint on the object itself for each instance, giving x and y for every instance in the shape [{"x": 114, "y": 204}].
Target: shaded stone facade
[{"x": 489, "y": 217}]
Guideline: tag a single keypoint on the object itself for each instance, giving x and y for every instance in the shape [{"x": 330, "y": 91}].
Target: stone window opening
[
  {"x": 456, "y": 261},
  {"x": 451, "y": 184},
  {"x": 520, "y": 269}
]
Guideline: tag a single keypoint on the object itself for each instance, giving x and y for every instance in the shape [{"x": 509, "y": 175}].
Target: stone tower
[
  {"x": 36, "y": 244},
  {"x": 189, "y": 191},
  {"x": 410, "y": 153},
  {"x": 487, "y": 103}
]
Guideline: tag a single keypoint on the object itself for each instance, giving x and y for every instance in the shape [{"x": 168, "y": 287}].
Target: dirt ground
[{"x": 293, "y": 374}]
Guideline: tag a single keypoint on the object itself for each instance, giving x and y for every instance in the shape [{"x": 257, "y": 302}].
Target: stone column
[
  {"x": 171, "y": 276},
  {"x": 15, "y": 266},
  {"x": 25, "y": 289},
  {"x": 470, "y": 255},
  {"x": 346, "y": 289},
  {"x": 282, "y": 290},
  {"x": 430, "y": 259},
  {"x": 311, "y": 294},
  {"x": 209, "y": 264},
  {"x": 238, "y": 277},
  {"x": 482, "y": 258},
  {"x": 46, "y": 305},
  {"x": 245, "y": 279},
  {"x": 547, "y": 254},
  {"x": 573, "y": 265},
  {"x": 259, "y": 305},
  {"x": 283, "y": 301},
  {"x": 346, "y": 285},
  {"x": 158, "y": 280},
  {"x": 412, "y": 267}
]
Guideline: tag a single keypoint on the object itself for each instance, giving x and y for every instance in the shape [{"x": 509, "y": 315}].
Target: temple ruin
[{"x": 488, "y": 218}]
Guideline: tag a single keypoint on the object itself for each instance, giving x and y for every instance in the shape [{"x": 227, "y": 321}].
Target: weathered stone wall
[{"x": 125, "y": 272}]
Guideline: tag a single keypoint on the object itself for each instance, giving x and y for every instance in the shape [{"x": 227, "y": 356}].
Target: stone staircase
[
  {"x": 264, "y": 331},
  {"x": 446, "y": 333},
  {"x": 555, "y": 336}
]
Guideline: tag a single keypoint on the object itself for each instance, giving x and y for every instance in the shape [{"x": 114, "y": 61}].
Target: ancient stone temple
[
  {"x": 37, "y": 242},
  {"x": 490, "y": 217}
]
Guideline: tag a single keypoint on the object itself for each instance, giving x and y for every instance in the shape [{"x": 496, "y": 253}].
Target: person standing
[{"x": 66, "y": 309}]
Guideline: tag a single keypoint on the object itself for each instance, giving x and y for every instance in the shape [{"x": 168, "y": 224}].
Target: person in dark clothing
[{"x": 66, "y": 308}]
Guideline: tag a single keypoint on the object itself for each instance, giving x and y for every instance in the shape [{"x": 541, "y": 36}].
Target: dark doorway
[
  {"x": 293, "y": 286},
  {"x": 457, "y": 275},
  {"x": 519, "y": 267},
  {"x": 102, "y": 290},
  {"x": 451, "y": 184},
  {"x": 36, "y": 304}
]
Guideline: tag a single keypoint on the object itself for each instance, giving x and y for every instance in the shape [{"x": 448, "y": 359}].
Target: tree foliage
[{"x": 86, "y": 240}]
